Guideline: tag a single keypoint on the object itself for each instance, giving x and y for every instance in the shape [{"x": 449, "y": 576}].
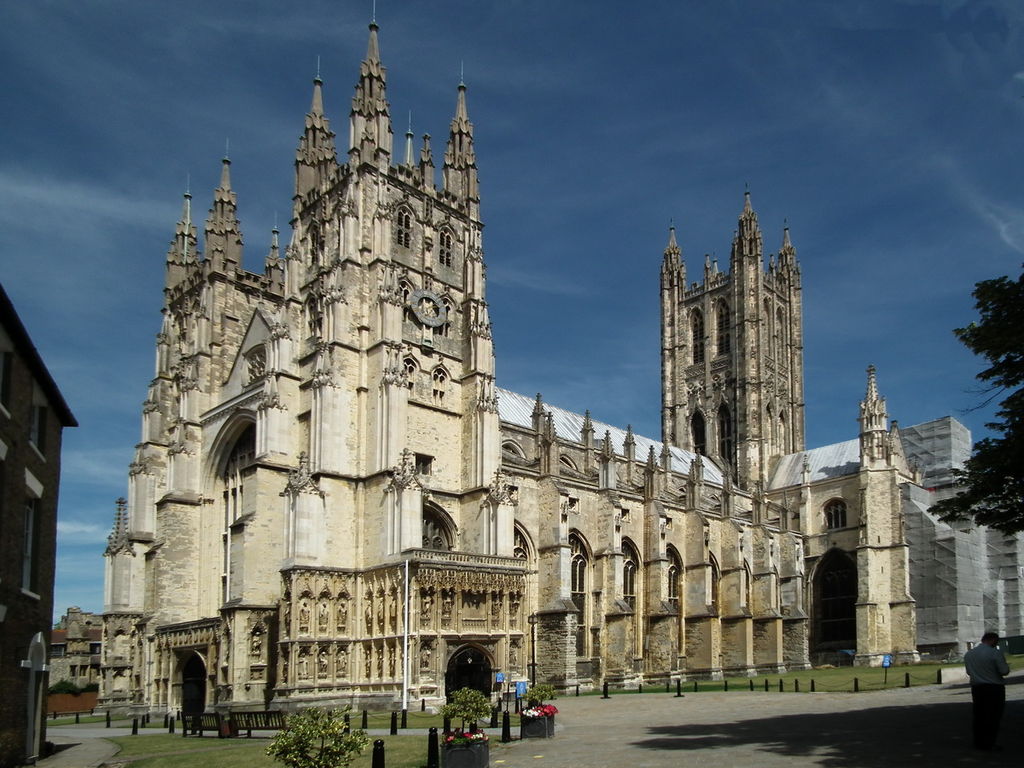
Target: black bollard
[
  {"x": 405, "y": 719},
  {"x": 781, "y": 688},
  {"x": 906, "y": 680},
  {"x": 365, "y": 720},
  {"x": 348, "y": 723},
  {"x": 394, "y": 723},
  {"x": 433, "y": 753},
  {"x": 135, "y": 726},
  {"x": 165, "y": 719},
  {"x": 668, "y": 686},
  {"x": 725, "y": 684},
  {"x": 378, "y": 754},
  {"x": 494, "y": 717},
  {"x": 856, "y": 685},
  {"x": 751, "y": 683},
  {"x": 766, "y": 685},
  {"x": 679, "y": 689},
  {"x": 77, "y": 721},
  {"x": 170, "y": 724},
  {"x": 796, "y": 686},
  {"x": 577, "y": 689},
  {"x": 694, "y": 686},
  {"x": 812, "y": 685},
  {"x": 447, "y": 726},
  {"x": 519, "y": 704},
  {"x": 423, "y": 705},
  {"x": 108, "y": 718},
  {"x": 604, "y": 691},
  {"x": 53, "y": 714},
  {"x": 506, "y": 728},
  {"x": 938, "y": 676}
]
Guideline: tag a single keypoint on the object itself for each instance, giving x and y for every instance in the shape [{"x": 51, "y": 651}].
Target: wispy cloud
[{"x": 80, "y": 532}]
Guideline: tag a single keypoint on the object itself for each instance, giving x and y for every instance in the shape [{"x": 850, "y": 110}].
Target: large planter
[
  {"x": 536, "y": 727},
  {"x": 466, "y": 755}
]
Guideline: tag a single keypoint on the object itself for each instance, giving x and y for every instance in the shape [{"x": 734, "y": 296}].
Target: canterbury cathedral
[{"x": 333, "y": 501}]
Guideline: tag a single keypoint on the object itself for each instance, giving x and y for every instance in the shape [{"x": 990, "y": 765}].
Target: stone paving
[{"x": 926, "y": 725}]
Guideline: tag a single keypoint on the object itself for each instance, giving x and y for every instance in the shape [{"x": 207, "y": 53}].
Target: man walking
[{"x": 987, "y": 668}]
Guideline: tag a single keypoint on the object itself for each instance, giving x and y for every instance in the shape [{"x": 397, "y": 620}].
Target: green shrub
[
  {"x": 540, "y": 693},
  {"x": 91, "y": 688},
  {"x": 467, "y": 705},
  {"x": 317, "y": 738},
  {"x": 64, "y": 686}
]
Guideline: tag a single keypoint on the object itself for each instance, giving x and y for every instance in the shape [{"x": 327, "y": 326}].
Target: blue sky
[{"x": 887, "y": 133}]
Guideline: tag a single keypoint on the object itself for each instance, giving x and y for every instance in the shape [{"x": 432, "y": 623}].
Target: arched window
[
  {"x": 403, "y": 227},
  {"x": 449, "y": 308},
  {"x": 579, "y": 567},
  {"x": 316, "y": 243},
  {"x": 440, "y": 377},
  {"x": 782, "y": 432},
  {"x": 779, "y": 336},
  {"x": 630, "y": 568},
  {"x": 675, "y": 574},
  {"x": 566, "y": 462},
  {"x": 697, "y": 336},
  {"x": 835, "y": 514},
  {"x": 698, "y": 433},
  {"x": 406, "y": 289},
  {"x": 255, "y": 364},
  {"x": 511, "y": 448},
  {"x": 726, "y": 444},
  {"x": 314, "y": 316},
  {"x": 446, "y": 248},
  {"x": 722, "y": 329},
  {"x": 411, "y": 369},
  {"x": 437, "y": 532},
  {"x": 836, "y": 597},
  {"x": 232, "y": 477},
  {"x": 715, "y": 574},
  {"x": 769, "y": 428},
  {"x": 520, "y": 545}
]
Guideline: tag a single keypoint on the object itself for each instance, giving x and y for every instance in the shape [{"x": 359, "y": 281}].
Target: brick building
[{"x": 33, "y": 415}]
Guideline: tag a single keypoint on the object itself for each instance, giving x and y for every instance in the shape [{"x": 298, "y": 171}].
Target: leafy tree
[
  {"x": 64, "y": 686},
  {"x": 467, "y": 705},
  {"x": 317, "y": 738},
  {"x": 992, "y": 480}
]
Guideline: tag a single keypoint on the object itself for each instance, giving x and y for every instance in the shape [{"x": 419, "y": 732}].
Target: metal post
[
  {"x": 796, "y": 686},
  {"x": 725, "y": 684},
  {"x": 348, "y": 723},
  {"x": 423, "y": 705},
  {"x": 640, "y": 688},
  {"x": 170, "y": 724},
  {"x": 694, "y": 686},
  {"x": 447, "y": 725},
  {"x": 766, "y": 685},
  {"x": 782, "y": 688},
  {"x": 856, "y": 685},
  {"x": 135, "y": 726},
  {"x": 494, "y": 717},
  {"x": 394, "y": 723},
  {"x": 604, "y": 690},
  {"x": 906, "y": 680},
  {"x": 108, "y": 718},
  {"x": 378, "y": 754},
  {"x": 506, "y": 728},
  {"x": 77, "y": 721},
  {"x": 577, "y": 689},
  {"x": 751, "y": 683},
  {"x": 433, "y": 753},
  {"x": 364, "y": 724},
  {"x": 812, "y": 685},
  {"x": 679, "y": 689},
  {"x": 405, "y": 719}
]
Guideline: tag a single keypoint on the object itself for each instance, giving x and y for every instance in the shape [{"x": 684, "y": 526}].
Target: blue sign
[
  {"x": 499, "y": 677},
  {"x": 520, "y": 689},
  {"x": 887, "y": 660}
]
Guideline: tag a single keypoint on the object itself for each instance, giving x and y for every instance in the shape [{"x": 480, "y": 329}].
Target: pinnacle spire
[
  {"x": 183, "y": 252},
  {"x": 370, "y": 120},
  {"x": 315, "y": 156},
  {"x": 223, "y": 233},
  {"x": 460, "y": 176},
  {"x": 372, "y": 45},
  {"x": 748, "y": 241},
  {"x": 317, "y": 106},
  {"x": 873, "y": 422}
]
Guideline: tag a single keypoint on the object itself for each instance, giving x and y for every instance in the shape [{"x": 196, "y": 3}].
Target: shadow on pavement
[{"x": 925, "y": 734}]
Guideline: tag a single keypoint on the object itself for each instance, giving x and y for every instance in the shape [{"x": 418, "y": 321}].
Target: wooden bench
[
  {"x": 256, "y": 721},
  {"x": 196, "y": 724}
]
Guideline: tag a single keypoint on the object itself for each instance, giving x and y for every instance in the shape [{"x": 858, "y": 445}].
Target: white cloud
[{"x": 77, "y": 532}]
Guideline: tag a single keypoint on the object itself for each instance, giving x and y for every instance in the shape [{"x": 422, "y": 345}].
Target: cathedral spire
[
  {"x": 315, "y": 156},
  {"x": 460, "y": 177},
  {"x": 223, "y": 233},
  {"x": 747, "y": 242},
  {"x": 787, "y": 253},
  {"x": 873, "y": 422},
  {"x": 183, "y": 252},
  {"x": 370, "y": 120},
  {"x": 673, "y": 270}
]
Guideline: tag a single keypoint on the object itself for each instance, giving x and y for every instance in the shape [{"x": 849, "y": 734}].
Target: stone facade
[
  {"x": 75, "y": 648},
  {"x": 33, "y": 415},
  {"x": 333, "y": 501}
]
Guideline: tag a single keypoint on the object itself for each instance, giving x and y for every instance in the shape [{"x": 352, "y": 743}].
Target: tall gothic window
[
  {"x": 436, "y": 532},
  {"x": 715, "y": 574},
  {"x": 697, "y": 336},
  {"x": 579, "y": 566},
  {"x": 446, "y": 248},
  {"x": 722, "y": 329},
  {"x": 698, "y": 433},
  {"x": 835, "y": 514},
  {"x": 783, "y": 437},
  {"x": 836, "y": 597},
  {"x": 780, "y": 337},
  {"x": 675, "y": 573},
  {"x": 630, "y": 568},
  {"x": 403, "y": 227},
  {"x": 726, "y": 443},
  {"x": 520, "y": 546},
  {"x": 440, "y": 378},
  {"x": 232, "y": 497},
  {"x": 314, "y": 316},
  {"x": 411, "y": 369}
]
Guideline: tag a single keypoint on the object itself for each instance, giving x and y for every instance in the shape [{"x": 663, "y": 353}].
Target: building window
[
  {"x": 403, "y": 228},
  {"x": 37, "y": 427},
  {"x": 30, "y": 544},
  {"x": 780, "y": 338},
  {"x": 436, "y": 533},
  {"x": 411, "y": 369},
  {"x": 722, "y": 323},
  {"x": 675, "y": 572},
  {"x": 445, "y": 328},
  {"x": 233, "y": 478},
  {"x": 836, "y": 589},
  {"x": 630, "y": 567},
  {"x": 698, "y": 433},
  {"x": 446, "y": 249},
  {"x": 440, "y": 377},
  {"x": 835, "y": 514},
  {"x": 726, "y": 446},
  {"x": 255, "y": 364},
  {"x": 697, "y": 336},
  {"x": 521, "y": 547},
  {"x": 314, "y": 316},
  {"x": 578, "y": 566},
  {"x": 715, "y": 575},
  {"x": 424, "y": 464},
  {"x": 6, "y": 361}
]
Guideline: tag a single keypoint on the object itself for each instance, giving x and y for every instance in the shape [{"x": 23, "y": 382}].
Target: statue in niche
[
  {"x": 304, "y": 615},
  {"x": 380, "y": 611},
  {"x": 368, "y": 615},
  {"x": 513, "y": 656},
  {"x": 342, "y": 615},
  {"x": 380, "y": 664},
  {"x": 391, "y": 666},
  {"x": 425, "y": 655},
  {"x": 256, "y": 644},
  {"x": 284, "y": 670},
  {"x": 323, "y": 617},
  {"x": 393, "y": 611},
  {"x": 304, "y": 664},
  {"x": 496, "y": 606},
  {"x": 513, "y": 608},
  {"x": 447, "y": 602},
  {"x": 286, "y": 620},
  {"x": 322, "y": 663},
  {"x": 426, "y": 606},
  {"x": 343, "y": 661}
]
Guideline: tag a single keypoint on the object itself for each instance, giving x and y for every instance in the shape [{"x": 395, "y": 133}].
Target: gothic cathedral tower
[{"x": 732, "y": 355}]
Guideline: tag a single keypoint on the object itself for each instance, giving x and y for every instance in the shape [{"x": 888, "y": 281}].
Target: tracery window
[
  {"x": 722, "y": 329},
  {"x": 436, "y": 532},
  {"x": 403, "y": 227},
  {"x": 255, "y": 364},
  {"x": 675, "y": 572},
  {"x": 314, "y": 316},
  {"x": 446, "y": 248},
  {"x": 411, "y": 369},
  {"x": 579, "y": 566},
  {"x": 697, "y": 336},
  {"x": 835, "y": 514},
  {"x": 440, "y": 377},
  {"x": 726, "y": 443},
  {"x": 698, "y": 433},
  {"x": 232, "y": 497},
  {"x": 715, "y": 573},
  {"x": 630, "y": 567},
  {"x": 520, "y": 546}
]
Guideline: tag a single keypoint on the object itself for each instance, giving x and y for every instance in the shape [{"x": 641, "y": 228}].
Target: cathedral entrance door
[
  {"x": 468, "y": 668},
  {"x": 193, "y": 685}
]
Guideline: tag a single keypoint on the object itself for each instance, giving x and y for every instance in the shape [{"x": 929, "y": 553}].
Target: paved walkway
[{"x": 926, "y": 725}]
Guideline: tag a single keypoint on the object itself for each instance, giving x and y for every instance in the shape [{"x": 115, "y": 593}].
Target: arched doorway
[
  {"x": 468, "y": 668},
  {"x": 835, "y": 588},
  {"x": 193, "y": 685}
]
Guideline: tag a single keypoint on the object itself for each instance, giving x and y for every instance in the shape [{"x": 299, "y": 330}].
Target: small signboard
[
  {"x": 520, "y": 688},
  {"x": 887, "y": 660},
  {"x": 499, "y": 677}
]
